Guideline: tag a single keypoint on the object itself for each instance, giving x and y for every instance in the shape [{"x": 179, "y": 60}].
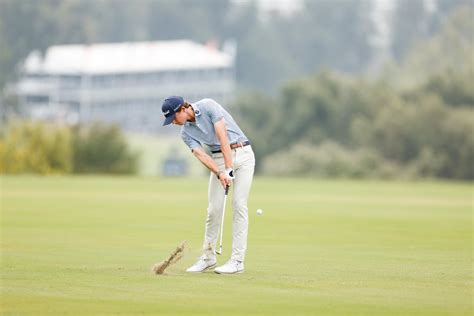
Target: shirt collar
[
  {"x": 197, "y": 111},
  {"x": 197, "y": 115}
]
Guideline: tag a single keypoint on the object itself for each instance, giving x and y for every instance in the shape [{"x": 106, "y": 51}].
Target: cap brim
[{"x": 169, "y": 120}]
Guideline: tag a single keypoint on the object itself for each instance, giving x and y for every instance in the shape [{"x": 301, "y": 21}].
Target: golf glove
[{"x": 229, "y": 172}]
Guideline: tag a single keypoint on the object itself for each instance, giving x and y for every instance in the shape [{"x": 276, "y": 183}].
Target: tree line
[
  {"x": 331, "y": 124},
  {"x": 325, "y": 33}
]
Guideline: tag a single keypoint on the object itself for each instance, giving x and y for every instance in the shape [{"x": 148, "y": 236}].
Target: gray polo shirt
[{"x": 202, "y": 132}]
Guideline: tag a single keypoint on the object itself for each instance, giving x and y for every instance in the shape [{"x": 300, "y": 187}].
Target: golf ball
[{"x": 259, "y": 211}]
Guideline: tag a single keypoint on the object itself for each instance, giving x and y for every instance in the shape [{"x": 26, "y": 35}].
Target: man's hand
[{"x": 226, "y": 177}]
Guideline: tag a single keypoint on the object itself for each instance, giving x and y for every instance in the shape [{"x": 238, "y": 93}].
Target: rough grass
[{"x": 85, "y": 245}]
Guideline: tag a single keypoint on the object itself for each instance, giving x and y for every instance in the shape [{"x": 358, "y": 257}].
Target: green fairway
[{"x": 86, "y": 245}]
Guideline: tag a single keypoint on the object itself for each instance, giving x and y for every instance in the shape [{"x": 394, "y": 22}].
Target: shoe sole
[
  {"x": 207, "y": 268},
  {"x": 237, "y": 272}
]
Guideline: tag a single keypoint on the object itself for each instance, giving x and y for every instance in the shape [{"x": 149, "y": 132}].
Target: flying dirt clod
[{"x": 159, "y": 268}]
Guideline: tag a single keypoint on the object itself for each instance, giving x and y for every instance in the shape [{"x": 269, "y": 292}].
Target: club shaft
[{"x": 222, "y": 221}]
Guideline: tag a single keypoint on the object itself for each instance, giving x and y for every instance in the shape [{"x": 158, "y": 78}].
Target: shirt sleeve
[
  {"x": 191, "y": 142},
  {"x": 213, "y": 109}
]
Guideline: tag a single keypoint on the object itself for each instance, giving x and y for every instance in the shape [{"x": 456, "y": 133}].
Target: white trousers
[{"x": 244, "y": 163}]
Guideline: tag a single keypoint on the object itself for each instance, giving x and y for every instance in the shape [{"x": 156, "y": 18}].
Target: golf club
[{"x": 222, "y": 221}]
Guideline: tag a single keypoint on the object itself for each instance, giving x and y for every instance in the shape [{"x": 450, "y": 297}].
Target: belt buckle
[{"x": 237, "y": 145}]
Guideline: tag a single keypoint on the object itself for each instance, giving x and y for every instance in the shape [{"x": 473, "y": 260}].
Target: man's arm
[
  {"x": 207, "y": 161},
  {"x": 221, "y": 133}
]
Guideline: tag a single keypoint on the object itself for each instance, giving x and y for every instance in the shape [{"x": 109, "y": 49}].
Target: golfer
[{"x": 231, "y": 161}]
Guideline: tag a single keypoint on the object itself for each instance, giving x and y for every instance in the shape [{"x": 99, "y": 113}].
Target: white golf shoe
[
  {"x": 202, "y": 265},
  {"x": 231, "y": 266}
]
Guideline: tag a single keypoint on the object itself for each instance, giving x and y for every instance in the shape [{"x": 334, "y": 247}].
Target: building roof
[{"x": 126, "y": 57}]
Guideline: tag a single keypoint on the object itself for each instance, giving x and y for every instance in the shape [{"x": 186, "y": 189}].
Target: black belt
[{"x": 233, "y": 146}]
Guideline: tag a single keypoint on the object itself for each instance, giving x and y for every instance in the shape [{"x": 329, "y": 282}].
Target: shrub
[
  {"x": 33, "y": 147},
  {"x": 328, "y": 160},
  {"x": 99, "y": 148},
  {"x": 29, "y": 147}
]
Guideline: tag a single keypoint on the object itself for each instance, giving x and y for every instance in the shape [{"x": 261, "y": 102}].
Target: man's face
[{"x": 180, "y": 117}]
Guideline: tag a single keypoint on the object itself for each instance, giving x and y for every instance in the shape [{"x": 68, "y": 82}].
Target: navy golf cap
[{"x": 169, "y": 108}]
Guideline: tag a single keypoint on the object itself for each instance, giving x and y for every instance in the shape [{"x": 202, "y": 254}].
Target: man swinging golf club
[{"x": 232, "y": 161}]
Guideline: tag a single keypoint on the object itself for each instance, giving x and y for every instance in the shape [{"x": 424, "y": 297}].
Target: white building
[{"x": 123, "y": 83}]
